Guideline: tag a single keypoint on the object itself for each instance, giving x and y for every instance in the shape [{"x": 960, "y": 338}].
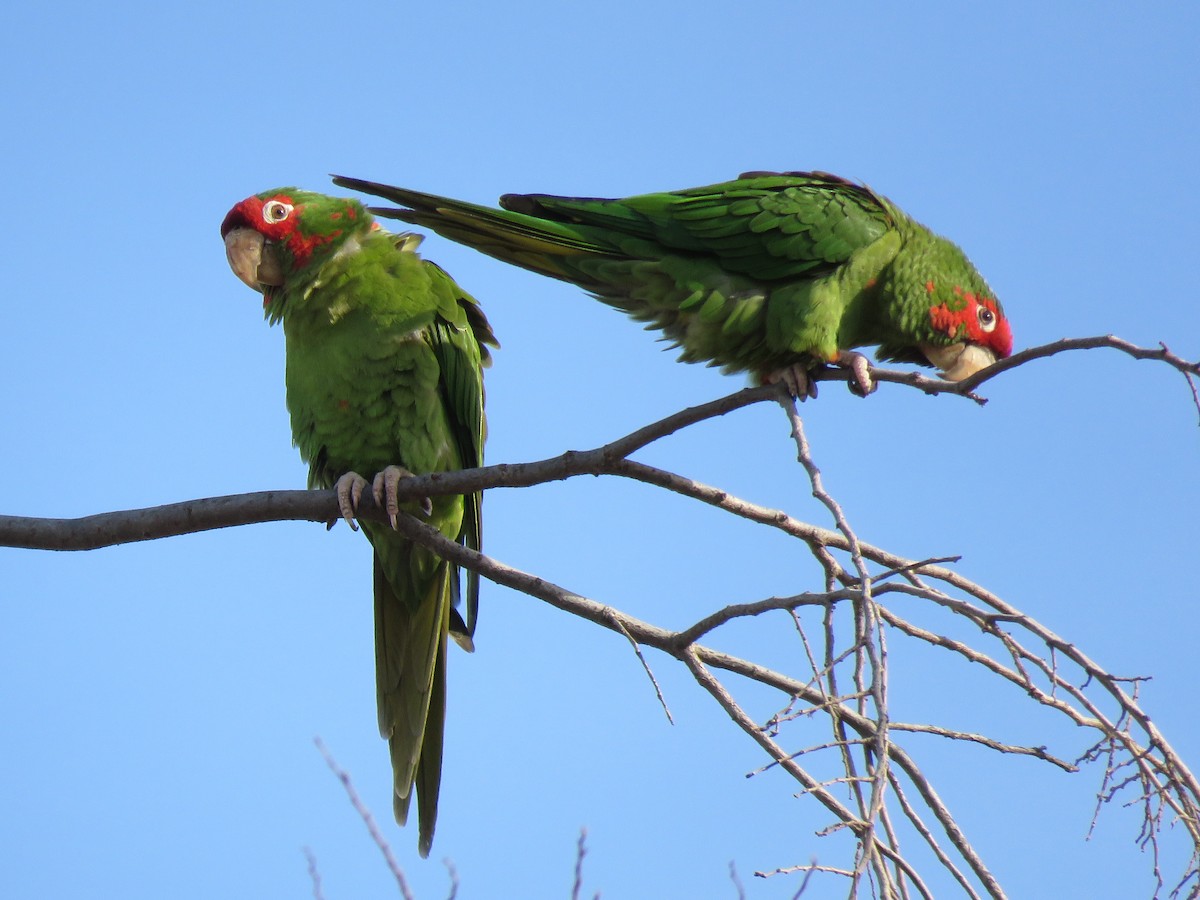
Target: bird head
[
  {"x": 970, "y": 333},
  {"x": 275, "y": 238}
]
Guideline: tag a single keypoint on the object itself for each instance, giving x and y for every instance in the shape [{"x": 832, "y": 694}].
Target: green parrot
[
  {"x": 772, "y": 273},
  {"x": 384, "y": 375}
]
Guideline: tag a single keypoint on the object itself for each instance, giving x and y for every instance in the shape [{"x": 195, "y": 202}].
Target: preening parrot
[
  {"x": 384, "y": 375},
  {"x": 772, "y": 273}
]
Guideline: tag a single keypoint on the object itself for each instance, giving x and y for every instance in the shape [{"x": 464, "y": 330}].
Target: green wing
[
  {"x": 415, "y": 590},
  {"x": 763, "y": 225},
  {"x": 460, "y": 335}
]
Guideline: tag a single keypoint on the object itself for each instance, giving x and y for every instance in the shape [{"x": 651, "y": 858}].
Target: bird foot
[
  {"x": 796, "y": 379},
  {"x": 384, "y": 490},
  {"x": 861, "y": 382},
  {"x": 349, "y": 490}
]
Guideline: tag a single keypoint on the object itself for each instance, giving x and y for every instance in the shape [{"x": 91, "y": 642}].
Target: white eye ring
[
  {"x": 276, "y": 211},
  {"x": 987, "y": 319}
]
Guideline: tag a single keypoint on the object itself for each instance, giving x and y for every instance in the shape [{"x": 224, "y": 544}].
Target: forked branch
[{"x": 867, "y": 598}]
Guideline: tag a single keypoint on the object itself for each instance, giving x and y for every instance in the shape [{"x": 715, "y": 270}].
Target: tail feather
[
  {"x": 428, "y": 778},
  {"x": 523, "y": 240},
  {"x": 410, "y": 671},
  {"x": 428, "y": 775}
]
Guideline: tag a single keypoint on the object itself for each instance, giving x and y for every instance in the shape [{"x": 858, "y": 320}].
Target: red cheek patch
[
  {"x": 948, "y": 320},
  {"x": 303, "y": 245}
]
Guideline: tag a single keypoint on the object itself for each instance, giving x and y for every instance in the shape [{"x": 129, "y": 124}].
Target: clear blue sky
[{"x": 158, "y": 701}]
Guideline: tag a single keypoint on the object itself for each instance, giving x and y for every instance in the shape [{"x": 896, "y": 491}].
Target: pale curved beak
[
  {"x": 958, "y": 361},
  {"x": 252, "y": 259}
]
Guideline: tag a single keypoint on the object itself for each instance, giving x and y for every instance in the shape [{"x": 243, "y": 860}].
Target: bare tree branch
[
  {"x": 189, "y": 517},
  {"x": 869, "y": 594}
]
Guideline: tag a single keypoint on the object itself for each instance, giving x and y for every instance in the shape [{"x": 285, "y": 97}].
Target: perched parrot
[
  {"x": 384, "y": 375},
  {"x": 772, "y": 273}
]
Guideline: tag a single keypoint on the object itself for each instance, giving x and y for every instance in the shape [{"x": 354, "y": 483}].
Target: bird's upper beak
[
  {"x": 253, "y": 259},
  {"x": 958, "y": 361}
]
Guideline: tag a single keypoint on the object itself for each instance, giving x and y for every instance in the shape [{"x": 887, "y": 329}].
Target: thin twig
[
  {"x": 637, "y": 648},
  {"x": 580, "y": 853},
  {"x": 737, "y": 882},
  {"x": 1036, "y": 752},
  {"x": 368, "y": 819},
  {"x": 314, "y": 874},
  {"x": 869, "y": 642}
]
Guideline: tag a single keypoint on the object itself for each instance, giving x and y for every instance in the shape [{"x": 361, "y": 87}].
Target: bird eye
[
  {"x": 987, "y": 319},
  {"x": 276, "y": 211}
]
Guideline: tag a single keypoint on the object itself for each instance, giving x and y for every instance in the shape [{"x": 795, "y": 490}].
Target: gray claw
[
  {"x": 384, "y": 489},
  {"x": 796, "y": 379},
  {"x": 349, "y": 491}
]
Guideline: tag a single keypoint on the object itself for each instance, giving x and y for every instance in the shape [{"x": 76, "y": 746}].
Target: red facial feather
[
  {"x": 1001, "y": 337},
  {"x": 950, "y": 321},
  {"x": 249, "y": 214}
]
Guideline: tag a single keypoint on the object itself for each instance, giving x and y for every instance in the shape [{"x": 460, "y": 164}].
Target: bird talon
[
  {"x": 796, "y": 379},
  {"x": 349, "y": 492},
  {"x": 384, "y": 488},
  {"x": 861, "y": 382}
]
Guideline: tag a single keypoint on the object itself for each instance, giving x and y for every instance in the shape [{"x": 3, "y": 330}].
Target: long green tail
[
  {"x": 527, "y": 241},
  {"x": 410, "y": 673}
]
